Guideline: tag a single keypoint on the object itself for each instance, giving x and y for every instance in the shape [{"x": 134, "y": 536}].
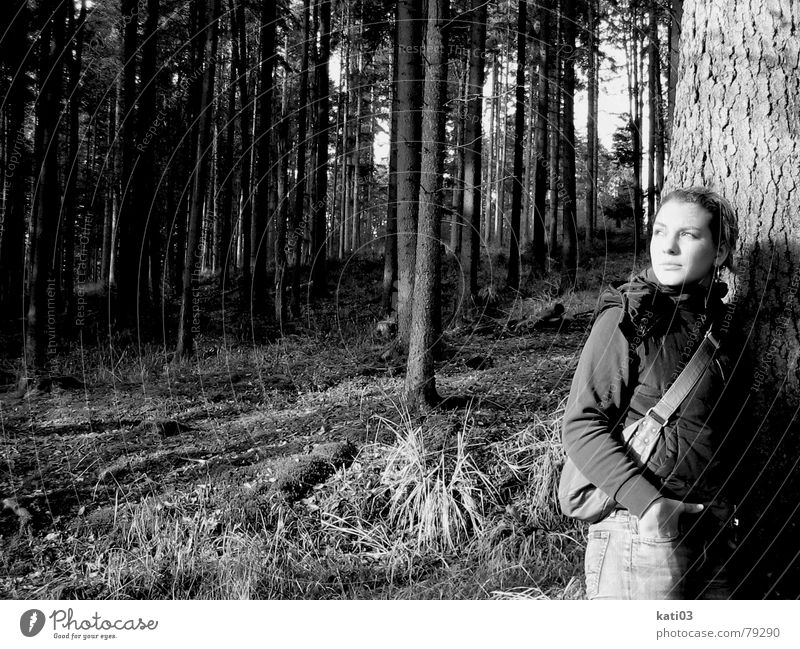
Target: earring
[{"x": 717, "y": 273}]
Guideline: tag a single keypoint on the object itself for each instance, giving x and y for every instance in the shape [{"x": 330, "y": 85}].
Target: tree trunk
[
  {"x": 473, "y": 143},
  {"x": 519, "y": 134},
  {"x": 189, "y": 323},
  {"x": 420, "y": 383},
  {"x": 41, "y": 333},
  {"x": 129, "y": 226},
  {"x": 591, "y": 124},
  {"x": 390, "y": 235},
  {"x": 17, "y": 170},
  {"x": 144, "y": 178},
  {"x": 259, "y": 255},
  {"x": 740, "y": 50},
  {"x": 676, "y": 15},
  {"x": 319, "y": 209},
  {"x": 241, "y": 63},
  {"x": 409, "y": 93},
  {"x": 555, "y": 129},
  {"x": 457, "y": 202},
  {"x": 542, "y": 154},
  {"x": 296, "y": 235},
  {"x": 569, "y": 235},
  {"x": 654, "y": 106}
]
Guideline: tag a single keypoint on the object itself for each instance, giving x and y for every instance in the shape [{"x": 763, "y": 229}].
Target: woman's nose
[{"x": 670, "y": 244}]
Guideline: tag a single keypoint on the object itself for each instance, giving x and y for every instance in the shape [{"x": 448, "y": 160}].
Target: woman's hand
[{"x": 661, "y": 519}]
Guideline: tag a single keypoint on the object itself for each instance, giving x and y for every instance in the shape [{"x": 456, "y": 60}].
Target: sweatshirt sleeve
[{"x": 593, "y": 410}]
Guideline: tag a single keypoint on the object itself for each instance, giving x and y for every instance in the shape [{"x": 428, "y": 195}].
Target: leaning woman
[{"x": 665, "y": 534}]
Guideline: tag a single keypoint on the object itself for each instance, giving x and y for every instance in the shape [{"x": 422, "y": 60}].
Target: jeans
[{"x": 622, "y": 564}]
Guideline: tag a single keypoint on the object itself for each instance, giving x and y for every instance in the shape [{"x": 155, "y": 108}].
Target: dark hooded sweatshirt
[{"x": 643, "y": 334}]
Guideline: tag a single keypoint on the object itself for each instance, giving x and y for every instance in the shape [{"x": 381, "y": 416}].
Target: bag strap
[
  {"x": 643, "y": 437},
  {"x": 686, "y": 380}
]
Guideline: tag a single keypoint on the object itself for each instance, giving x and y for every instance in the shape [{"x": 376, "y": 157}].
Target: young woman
[{"x": 665, "y": 538}]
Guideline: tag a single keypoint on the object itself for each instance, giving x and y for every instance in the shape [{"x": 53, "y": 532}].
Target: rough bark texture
[
  {"x": 420, "y": 385},
  {"x": 409, "y": 97},
  {"x": 390, "y": 235},
  {"x": 737, "y": 130}
]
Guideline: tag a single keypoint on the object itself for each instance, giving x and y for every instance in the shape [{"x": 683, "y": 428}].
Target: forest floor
[{"x": 290, "y": 468}]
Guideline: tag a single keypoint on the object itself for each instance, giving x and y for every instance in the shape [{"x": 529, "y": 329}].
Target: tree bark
[
  {"x": 473, "y": 158},
  {"x": 409, "y": 92},
  {"x": 390, "y": 234},
  {"x": 296, "y": 235},
  {"x": 569, "y": 236},
  {"x": 41, "y": 332},
  {"x": 748, "y": 151},
  {"x": 591, "y": 125},
  {"x": 189, "y": 323},
  {"x": 319, "y": 209},
  {"x": 519, "y": 135},
  {"x": 542, "y": 153},
  {"x": 420, "y": 383},
  {"x": 17, "y": 169},
  {"x": 259, "y": 255}
]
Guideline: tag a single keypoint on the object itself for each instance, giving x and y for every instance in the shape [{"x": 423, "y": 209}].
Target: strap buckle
[{"x": 655, "y": 416}]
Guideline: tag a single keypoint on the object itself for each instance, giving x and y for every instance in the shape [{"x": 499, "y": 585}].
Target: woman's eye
[{"x": 689, "y": 235}]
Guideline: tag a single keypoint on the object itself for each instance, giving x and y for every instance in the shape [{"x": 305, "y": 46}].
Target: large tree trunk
[
  {"x": 749, "y": 151},
  {"x": 319, "y": 208},
  {"x": 555, "y": 127},
  {"x": 676, "y": 14},
  {"x": 189, "y": 323},
  {"x": 409, "y": 98},
  {"x": 473, "y": 143},
  {"x": 654, "y": 107},
  {"x": 519, "y": 135},
  {"x": 420, "y": 384}
]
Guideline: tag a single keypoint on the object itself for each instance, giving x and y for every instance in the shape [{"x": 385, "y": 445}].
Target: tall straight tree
[
  {"x": 519, "y": 135},
  {"x": 69, "y": 213},
  {"x": 319, "y": 207},
  {"x": 41, "y": 318},
  {"x": 420, "y": 384},
  {"x": 543, "y": 100},
  {"x": 591, "y": 121},
  {"x": 128, "y": 267},
  {"x": 739, "y": 50},
  {"x": 143, "y": 175},
  {"x": 296, "y": 235},
  {"x": 12, "y": 265},
  {"x": 259, "y": 253},
  {"x": 409, "y": 125},
  {"x": 473, "y": 154},
  {"x": 654, "y": 109},
  {"x": 569, "y": 236},
  {"x": 390, "y": 235},
  {"x": 245, "y": 134},
  {"x": 189, "y": 315}
]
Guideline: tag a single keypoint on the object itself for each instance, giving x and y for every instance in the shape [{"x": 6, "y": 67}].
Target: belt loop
[{"x": 633, "y": 523}]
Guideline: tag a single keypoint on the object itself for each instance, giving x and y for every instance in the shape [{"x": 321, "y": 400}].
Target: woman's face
[{"x": 682, "y": 249}]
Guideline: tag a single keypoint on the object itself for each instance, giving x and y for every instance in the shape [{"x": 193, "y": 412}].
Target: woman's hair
[{"x": 723, "y": 217}]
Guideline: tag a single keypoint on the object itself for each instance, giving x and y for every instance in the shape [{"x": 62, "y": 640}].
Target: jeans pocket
[{"x": 596, "y": 547}]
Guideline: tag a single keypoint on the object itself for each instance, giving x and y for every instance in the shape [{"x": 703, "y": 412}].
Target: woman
[{"x": 663, "y": 539}]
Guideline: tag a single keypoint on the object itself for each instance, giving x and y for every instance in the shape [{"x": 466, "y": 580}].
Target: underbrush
[{"x": 446, "y": 511}]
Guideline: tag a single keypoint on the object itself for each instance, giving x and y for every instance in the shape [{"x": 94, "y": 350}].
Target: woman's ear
[{"x": 722, "y": 254}]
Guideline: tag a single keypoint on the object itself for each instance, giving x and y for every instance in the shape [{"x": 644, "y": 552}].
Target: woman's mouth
[{"x": 670, "y": 266}]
